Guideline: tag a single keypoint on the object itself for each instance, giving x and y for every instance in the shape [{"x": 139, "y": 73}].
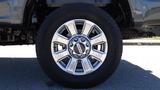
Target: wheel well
[
  {"x": 28, "y": 12},
  {"x": 37, "y": 9},
  {"x": 120, "y": 10}
]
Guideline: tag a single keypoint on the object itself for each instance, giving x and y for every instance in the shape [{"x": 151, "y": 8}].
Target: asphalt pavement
[{"x": 139, "y": 70}]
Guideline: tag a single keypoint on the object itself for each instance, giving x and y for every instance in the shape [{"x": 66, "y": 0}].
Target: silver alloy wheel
[{"x": 79, "y": 47}]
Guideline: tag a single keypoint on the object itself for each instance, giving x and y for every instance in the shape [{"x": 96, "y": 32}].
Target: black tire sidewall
[{"x": 67, "y": 13}]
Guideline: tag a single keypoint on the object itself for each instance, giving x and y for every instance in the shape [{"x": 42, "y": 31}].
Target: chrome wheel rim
[{"x": 79, "y": 47}]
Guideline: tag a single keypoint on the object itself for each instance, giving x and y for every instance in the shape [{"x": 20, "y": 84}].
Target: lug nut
[
  {"x": 87, "y": 51},
  {"x": 83, "y": 40},
  {"x": 71, "y": 51},
  {"x": 76, "y": 39},
  {"x": 71, "y": 44},
  {"x": 87, "y": 45}
]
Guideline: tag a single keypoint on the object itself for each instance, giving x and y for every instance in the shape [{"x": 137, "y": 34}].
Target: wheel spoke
[
  {"x": 87, "y": 27},
  {"x": 71, "y": 67},
  {"x": 60, "y": 55},
  {"x": 61, "y": 39},
  {"x": 71, "y": 27},
  {"x": 98, "y": 55},
  {"x": 87, "y": 66},
  {"x": 98, "y": 39}
]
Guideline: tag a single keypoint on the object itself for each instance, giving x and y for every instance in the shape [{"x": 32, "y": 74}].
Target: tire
[{"x": 80, "y": 79}]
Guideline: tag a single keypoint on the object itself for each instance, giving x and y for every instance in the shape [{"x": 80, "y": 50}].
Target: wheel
[{"x": 79, "y": 46}]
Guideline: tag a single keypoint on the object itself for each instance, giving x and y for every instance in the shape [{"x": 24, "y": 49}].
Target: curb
[{"x": 140, "y": 42}]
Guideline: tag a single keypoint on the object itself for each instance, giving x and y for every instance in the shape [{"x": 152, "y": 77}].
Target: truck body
[{"x": 143, "y": 11}]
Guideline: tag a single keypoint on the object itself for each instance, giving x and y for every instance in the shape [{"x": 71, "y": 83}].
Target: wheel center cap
[{"x": 79, "y": 48}]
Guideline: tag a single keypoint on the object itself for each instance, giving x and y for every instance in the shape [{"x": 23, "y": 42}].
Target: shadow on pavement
[{"x": 26, "y": 74}]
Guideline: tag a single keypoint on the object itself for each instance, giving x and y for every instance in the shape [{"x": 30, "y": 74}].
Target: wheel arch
[
  {"x": 28, "y": 12},
  {"x": 121, "y": 12},
  {"x": 118, "y": 9},
  {"x": 123, "y": 17}
]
